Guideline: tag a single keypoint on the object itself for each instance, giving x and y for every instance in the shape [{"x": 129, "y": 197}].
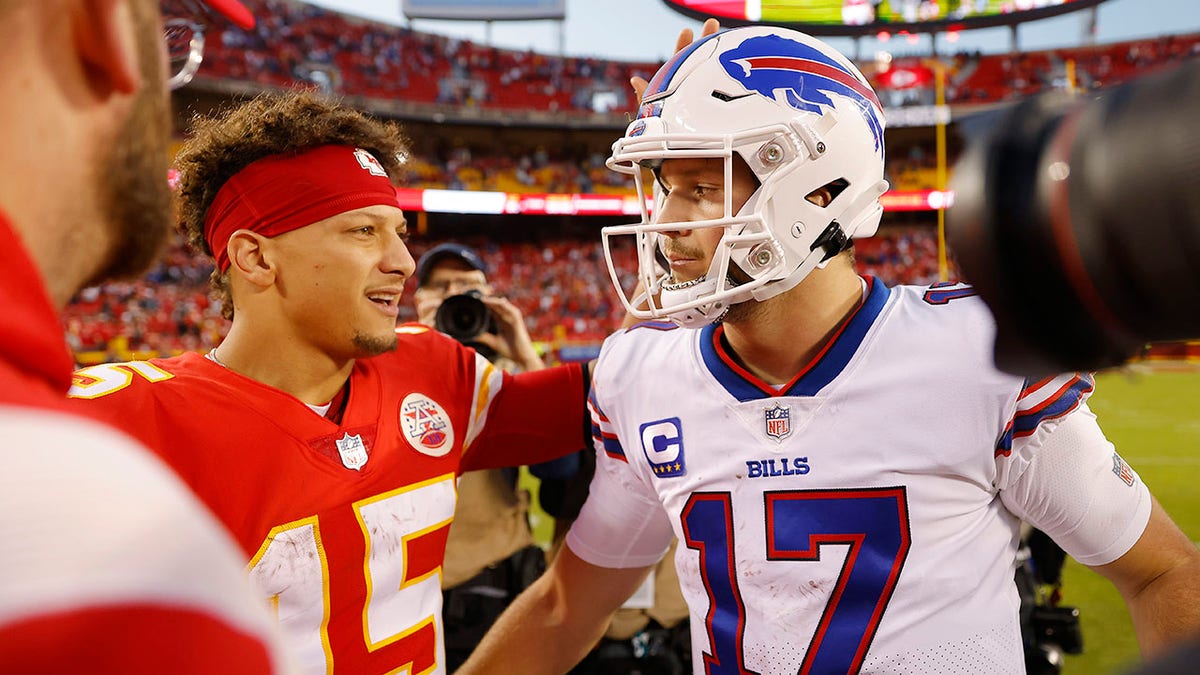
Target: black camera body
[
  {"x": 1048, "y": 629},
  {"x": 464, "y": 317}
]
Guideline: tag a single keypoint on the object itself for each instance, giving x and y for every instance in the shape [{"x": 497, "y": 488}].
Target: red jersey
[
  {"x": 110, "y": 565},
  {"x": 344, "y": 524}
]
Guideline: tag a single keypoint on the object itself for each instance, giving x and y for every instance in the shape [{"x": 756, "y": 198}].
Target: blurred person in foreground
[
  {"x": 327, "y": 438},
  {"x": 1074, "y": 271},
  {"x": 845, "y": 470},
  {"x": 490, "y": 553},
  {"x": 110, "y": 564}
]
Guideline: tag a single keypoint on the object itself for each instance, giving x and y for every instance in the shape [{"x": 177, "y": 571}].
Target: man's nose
[
  {"x": 672, "y": 214},
  {"x": 398, "y": 258}
]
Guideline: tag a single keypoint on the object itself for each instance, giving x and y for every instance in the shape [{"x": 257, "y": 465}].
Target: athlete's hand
[
  {"x": 686, "y": 37},
  {"x": 512, "y": 341}
]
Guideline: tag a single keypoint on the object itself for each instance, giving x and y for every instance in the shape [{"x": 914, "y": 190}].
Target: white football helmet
[{"x": 802, "y": 117}]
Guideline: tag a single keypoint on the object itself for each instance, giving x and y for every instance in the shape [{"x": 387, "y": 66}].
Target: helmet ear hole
[{"x": 828, "y": 192}]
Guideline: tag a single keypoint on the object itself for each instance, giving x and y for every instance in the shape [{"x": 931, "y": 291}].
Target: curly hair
[{"x": 271, "y": 124}]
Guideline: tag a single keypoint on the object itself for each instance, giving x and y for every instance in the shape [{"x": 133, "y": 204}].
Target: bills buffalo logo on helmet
[{"x": 800, "y": 76}]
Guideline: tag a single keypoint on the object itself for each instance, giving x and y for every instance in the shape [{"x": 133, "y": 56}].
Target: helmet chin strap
[{"x": 693, "y": 317}]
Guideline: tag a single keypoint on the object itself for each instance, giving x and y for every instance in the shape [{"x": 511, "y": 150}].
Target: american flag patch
[{"x": 1123, "y": 471}]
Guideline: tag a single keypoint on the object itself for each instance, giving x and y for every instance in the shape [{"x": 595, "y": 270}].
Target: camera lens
[
  {"x": 463, "y": 317},
  {"x": 1077, "y": 223}
]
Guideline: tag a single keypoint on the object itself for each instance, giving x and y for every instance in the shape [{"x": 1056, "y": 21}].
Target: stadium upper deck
[{"x": 396, "y": 70}]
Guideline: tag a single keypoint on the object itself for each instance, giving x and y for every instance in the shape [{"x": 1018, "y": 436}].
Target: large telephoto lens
[{"x": 1079, "y": 223}]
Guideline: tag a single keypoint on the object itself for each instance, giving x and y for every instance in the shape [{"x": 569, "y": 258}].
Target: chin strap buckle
[{"x": 833, "y": 240}]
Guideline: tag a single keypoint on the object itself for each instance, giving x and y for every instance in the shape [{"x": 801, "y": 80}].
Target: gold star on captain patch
[{"x": 676, "y": 466}]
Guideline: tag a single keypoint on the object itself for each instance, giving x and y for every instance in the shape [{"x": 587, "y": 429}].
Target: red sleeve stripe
[{"x": 1067, "y": 398}]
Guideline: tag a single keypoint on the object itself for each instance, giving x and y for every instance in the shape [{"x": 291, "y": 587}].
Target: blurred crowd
[
  {"x": 461, "y": 167},
  {"x": 540, "y": 171},
  {"x": 1002, "y": 77},
  {"x": 296, "y": 43}
]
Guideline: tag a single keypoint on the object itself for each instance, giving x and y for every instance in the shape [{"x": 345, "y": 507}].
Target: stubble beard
[
  {"x": 132, "y": 177},
  {"x": 743, "y": 312},
  {"x": 373, "y": 345}
]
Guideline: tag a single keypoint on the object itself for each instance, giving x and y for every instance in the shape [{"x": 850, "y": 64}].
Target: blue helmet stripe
[{"x": 662, "y": 79}]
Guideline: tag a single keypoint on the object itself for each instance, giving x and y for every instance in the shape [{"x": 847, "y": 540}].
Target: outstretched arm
[
  {"x": 556, "y": 621},
  {"x": 1159, "y": 578}
]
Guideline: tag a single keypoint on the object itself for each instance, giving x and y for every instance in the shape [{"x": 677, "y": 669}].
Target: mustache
[{"x": 681, "y": 251}]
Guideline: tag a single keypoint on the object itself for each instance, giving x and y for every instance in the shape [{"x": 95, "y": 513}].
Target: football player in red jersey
[
  {"x": 325, "y": 437},
  {"x": 110, "y": 564}
]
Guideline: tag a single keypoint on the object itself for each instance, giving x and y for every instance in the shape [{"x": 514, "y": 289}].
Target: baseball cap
[
  {"x": 234, "y": 11},
  {"x": 443, "y": 251}
]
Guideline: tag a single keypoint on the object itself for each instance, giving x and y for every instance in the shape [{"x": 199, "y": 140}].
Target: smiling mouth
[{"x": 388, "y": 302}]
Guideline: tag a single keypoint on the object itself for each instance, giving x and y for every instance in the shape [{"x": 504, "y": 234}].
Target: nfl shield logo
[
  {"x": 1122, "y": 470},
  {"x": 353, "y": 451},
  {"x": 778, "y": 422}
]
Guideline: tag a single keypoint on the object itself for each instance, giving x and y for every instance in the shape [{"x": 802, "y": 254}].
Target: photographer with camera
[
  {"x": 490, "y": 553},
  {"x": 454, "y": 296}
]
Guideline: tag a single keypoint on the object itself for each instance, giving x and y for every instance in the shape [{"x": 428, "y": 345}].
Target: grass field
[{"x": 1153, "y": 417}]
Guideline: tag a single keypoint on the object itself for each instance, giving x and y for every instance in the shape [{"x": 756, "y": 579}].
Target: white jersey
[
  {"x": 863, "y": 517},
  {"x": 111, "y": 565}
]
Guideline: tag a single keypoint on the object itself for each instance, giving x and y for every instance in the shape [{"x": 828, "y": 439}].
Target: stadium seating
[{"x": 300, "y": 44}]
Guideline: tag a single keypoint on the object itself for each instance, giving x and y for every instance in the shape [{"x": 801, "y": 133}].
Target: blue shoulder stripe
[
  {"x": 1062, "y": 402},
  {"x": 607, "y": 440}
]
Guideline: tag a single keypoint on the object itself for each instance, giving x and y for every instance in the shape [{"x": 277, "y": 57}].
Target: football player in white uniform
[{"x": 845, "y": 469}]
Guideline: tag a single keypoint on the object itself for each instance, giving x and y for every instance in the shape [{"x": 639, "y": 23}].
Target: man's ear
[
  {"x": 104, "y": 33},
  {"x": 821, "y": 196},
  {"x": 247, "y": 251}
]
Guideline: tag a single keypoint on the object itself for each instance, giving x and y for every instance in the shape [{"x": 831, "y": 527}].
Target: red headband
[{"x": 282, "y": 193}]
